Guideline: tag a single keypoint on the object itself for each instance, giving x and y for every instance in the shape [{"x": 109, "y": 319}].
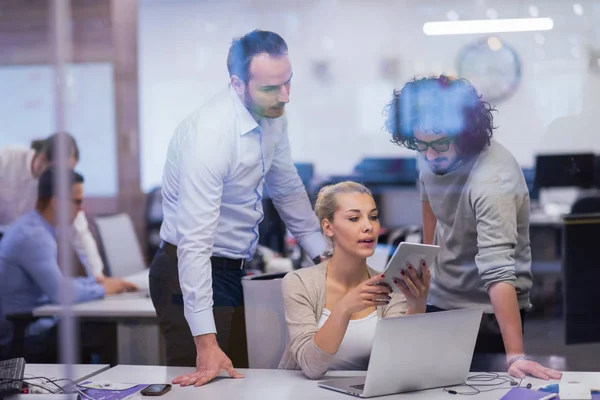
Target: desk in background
[
  {"x": 266, "y": 384},
  {"x": 138, "y": 337}
]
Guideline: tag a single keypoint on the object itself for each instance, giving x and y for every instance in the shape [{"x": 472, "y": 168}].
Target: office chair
[
  {"x": 581, "y": 271},
  {"x": 586, "y": 205},
  {"x": 119, "y": 245},
  {"x": 266, "y": 327}
]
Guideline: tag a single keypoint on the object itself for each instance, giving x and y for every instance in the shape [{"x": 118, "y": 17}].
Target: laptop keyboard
[
  {"x": 359, "y": 387},
  {"x": 11, "y": 375}
]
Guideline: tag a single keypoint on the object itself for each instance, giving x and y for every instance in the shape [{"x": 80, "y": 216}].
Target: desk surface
[
  {"x": 539, "y": 218},
  {"x": 80, "y": 371},
  {"x": 127, "y": 305},
  {"x": 264, "y": 384}
]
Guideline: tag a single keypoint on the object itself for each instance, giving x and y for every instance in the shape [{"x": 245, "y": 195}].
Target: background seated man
[{"x": 30, "y": 272}]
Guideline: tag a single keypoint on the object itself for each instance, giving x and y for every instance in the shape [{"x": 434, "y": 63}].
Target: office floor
[{"x": 547, "y": 337}]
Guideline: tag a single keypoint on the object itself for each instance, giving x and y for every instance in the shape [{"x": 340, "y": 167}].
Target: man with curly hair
[{"x": 475, "y": 206}]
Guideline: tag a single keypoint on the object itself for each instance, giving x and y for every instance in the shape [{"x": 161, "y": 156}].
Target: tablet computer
[{"x": 409, "y": 253}]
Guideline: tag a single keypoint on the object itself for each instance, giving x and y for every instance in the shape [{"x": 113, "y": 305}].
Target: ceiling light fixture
[{"x": 487, "y": 26}]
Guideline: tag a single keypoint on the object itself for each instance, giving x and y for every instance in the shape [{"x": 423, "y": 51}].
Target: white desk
[
  {"x": 138, "y": 335},
  {"x": 265, "y": 384},
  {"x": 540, "y": 218},
  {"x": 126, "y": 305},
  {"x": 80, "y": 372}
]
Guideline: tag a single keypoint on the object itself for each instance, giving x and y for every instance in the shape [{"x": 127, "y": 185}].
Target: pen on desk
[{"x": 550, "y": 396}]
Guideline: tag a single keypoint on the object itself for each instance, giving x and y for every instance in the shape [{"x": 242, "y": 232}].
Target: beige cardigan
[{"x": 304, "y": 300}]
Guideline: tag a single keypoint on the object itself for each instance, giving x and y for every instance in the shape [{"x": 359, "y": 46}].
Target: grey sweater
[
  {"x": 482, "y": 211},
  {"x": 304, "y": 300}
]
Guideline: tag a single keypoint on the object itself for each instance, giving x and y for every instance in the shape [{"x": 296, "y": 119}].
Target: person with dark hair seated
[
  {"x": 20, "y": 169},
  {"x": 30, "y": 271},
  {"x": 475, "y": 206}
]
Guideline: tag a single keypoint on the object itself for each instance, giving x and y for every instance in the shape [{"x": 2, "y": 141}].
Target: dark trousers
[
  {"x": 489, "y": 338},
  {"x": 228, "y": 310}
]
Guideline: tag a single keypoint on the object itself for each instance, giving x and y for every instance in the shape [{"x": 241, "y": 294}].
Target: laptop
[{"x": 416, "y": 352}]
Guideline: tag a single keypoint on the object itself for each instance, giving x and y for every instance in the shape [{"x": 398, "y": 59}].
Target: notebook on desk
[{"x": 530, "y": 394}]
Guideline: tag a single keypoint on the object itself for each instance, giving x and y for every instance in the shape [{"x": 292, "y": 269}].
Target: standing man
[
  {"x": 475, "y": 206},
  {"x": 213, "y": 178}
]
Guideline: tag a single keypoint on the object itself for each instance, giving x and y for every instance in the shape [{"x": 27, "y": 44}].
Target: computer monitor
[{"x": 564, "y": 170}]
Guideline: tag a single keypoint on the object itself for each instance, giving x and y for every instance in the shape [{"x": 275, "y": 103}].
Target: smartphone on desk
[
  {"x": 156, "y": 390},
  {"x": 409, "y": 253}
]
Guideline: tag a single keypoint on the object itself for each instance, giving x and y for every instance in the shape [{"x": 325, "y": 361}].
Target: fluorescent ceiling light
[{"x": 488, "y": 26}]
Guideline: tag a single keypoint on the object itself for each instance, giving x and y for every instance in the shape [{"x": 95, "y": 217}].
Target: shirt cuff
[
  {"x": 101, "y": 291},
  {"x": 314, "y": 244},
  {"x": 202, "y": 322}
]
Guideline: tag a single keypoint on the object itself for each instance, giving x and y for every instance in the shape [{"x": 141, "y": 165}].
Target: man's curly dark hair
[{"x": 440, "y": 105}]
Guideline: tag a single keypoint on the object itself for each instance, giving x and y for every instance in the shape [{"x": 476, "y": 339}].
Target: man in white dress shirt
[{"x": 217, "y": 162}]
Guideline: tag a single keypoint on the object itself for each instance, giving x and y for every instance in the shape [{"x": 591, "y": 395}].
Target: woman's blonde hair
[{"x": 326, "y": 200}]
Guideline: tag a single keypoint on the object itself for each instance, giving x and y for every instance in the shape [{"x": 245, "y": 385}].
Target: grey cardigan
[{"x": 304, "y": 300}]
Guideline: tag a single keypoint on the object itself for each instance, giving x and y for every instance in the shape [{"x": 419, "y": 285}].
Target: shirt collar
[
  {"x": 45, "y": 223},
  {"x": 246, "y": 123}
]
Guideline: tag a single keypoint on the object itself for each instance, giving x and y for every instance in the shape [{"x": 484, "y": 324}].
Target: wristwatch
[{"x": 514, "y": 360}]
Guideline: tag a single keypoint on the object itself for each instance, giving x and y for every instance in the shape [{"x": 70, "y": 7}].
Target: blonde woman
[{"x": 332, "y": 308}]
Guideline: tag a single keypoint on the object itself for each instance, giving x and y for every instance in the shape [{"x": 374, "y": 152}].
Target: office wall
[
  {"x": 28, "y": 112},
  {"x": 337, "y": 49}
]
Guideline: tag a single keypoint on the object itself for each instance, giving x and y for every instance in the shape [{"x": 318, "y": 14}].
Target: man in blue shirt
[
  {"x": 217, "y": 162},
  {"x": 30, "y": 274}
]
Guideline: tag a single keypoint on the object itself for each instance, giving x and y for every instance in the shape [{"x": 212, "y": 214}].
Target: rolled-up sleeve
[
  {"x": 496, "y": 204},
  {"x": 291, "y": 200},
  {"x": 203, "y": 163}
]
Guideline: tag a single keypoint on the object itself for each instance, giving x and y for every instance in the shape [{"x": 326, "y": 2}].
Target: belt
[{"x": 216, "y": 262}]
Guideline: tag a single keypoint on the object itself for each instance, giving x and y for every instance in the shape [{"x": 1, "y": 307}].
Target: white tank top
[{"x": 355, "y": 349}]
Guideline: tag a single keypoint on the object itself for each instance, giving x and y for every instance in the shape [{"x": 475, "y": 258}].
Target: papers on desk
[
  {"x": 524, "y": 394},
  {"x": 111, "y": 392},
  {"x": 107, "y": 385},
  {"x": 589, "y": 379},
  {"x": 138, "y": 294},
  {"x": 140, "y": 279}
]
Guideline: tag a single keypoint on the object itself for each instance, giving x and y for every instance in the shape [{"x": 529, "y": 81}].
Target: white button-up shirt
[{"x": 212, "y": 189}]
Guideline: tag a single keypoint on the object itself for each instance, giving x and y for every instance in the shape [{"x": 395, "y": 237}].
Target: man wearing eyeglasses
[
  {"x": 31, "y": 273},
  {"x": 475, "y": 207}
]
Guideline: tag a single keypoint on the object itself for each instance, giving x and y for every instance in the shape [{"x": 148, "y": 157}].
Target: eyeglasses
[{"x": 440, "y": 146}]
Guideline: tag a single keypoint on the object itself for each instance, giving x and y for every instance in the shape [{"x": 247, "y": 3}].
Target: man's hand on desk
[
  {"x": 116, "y": 285},
  {"x": 522, "y": 368},
  {"x": 210, "y": 360}
]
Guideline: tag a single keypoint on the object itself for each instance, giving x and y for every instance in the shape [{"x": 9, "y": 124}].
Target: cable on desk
[
  {"x": 486, "y": 378},
  {"x": 61, "y": 389}
]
